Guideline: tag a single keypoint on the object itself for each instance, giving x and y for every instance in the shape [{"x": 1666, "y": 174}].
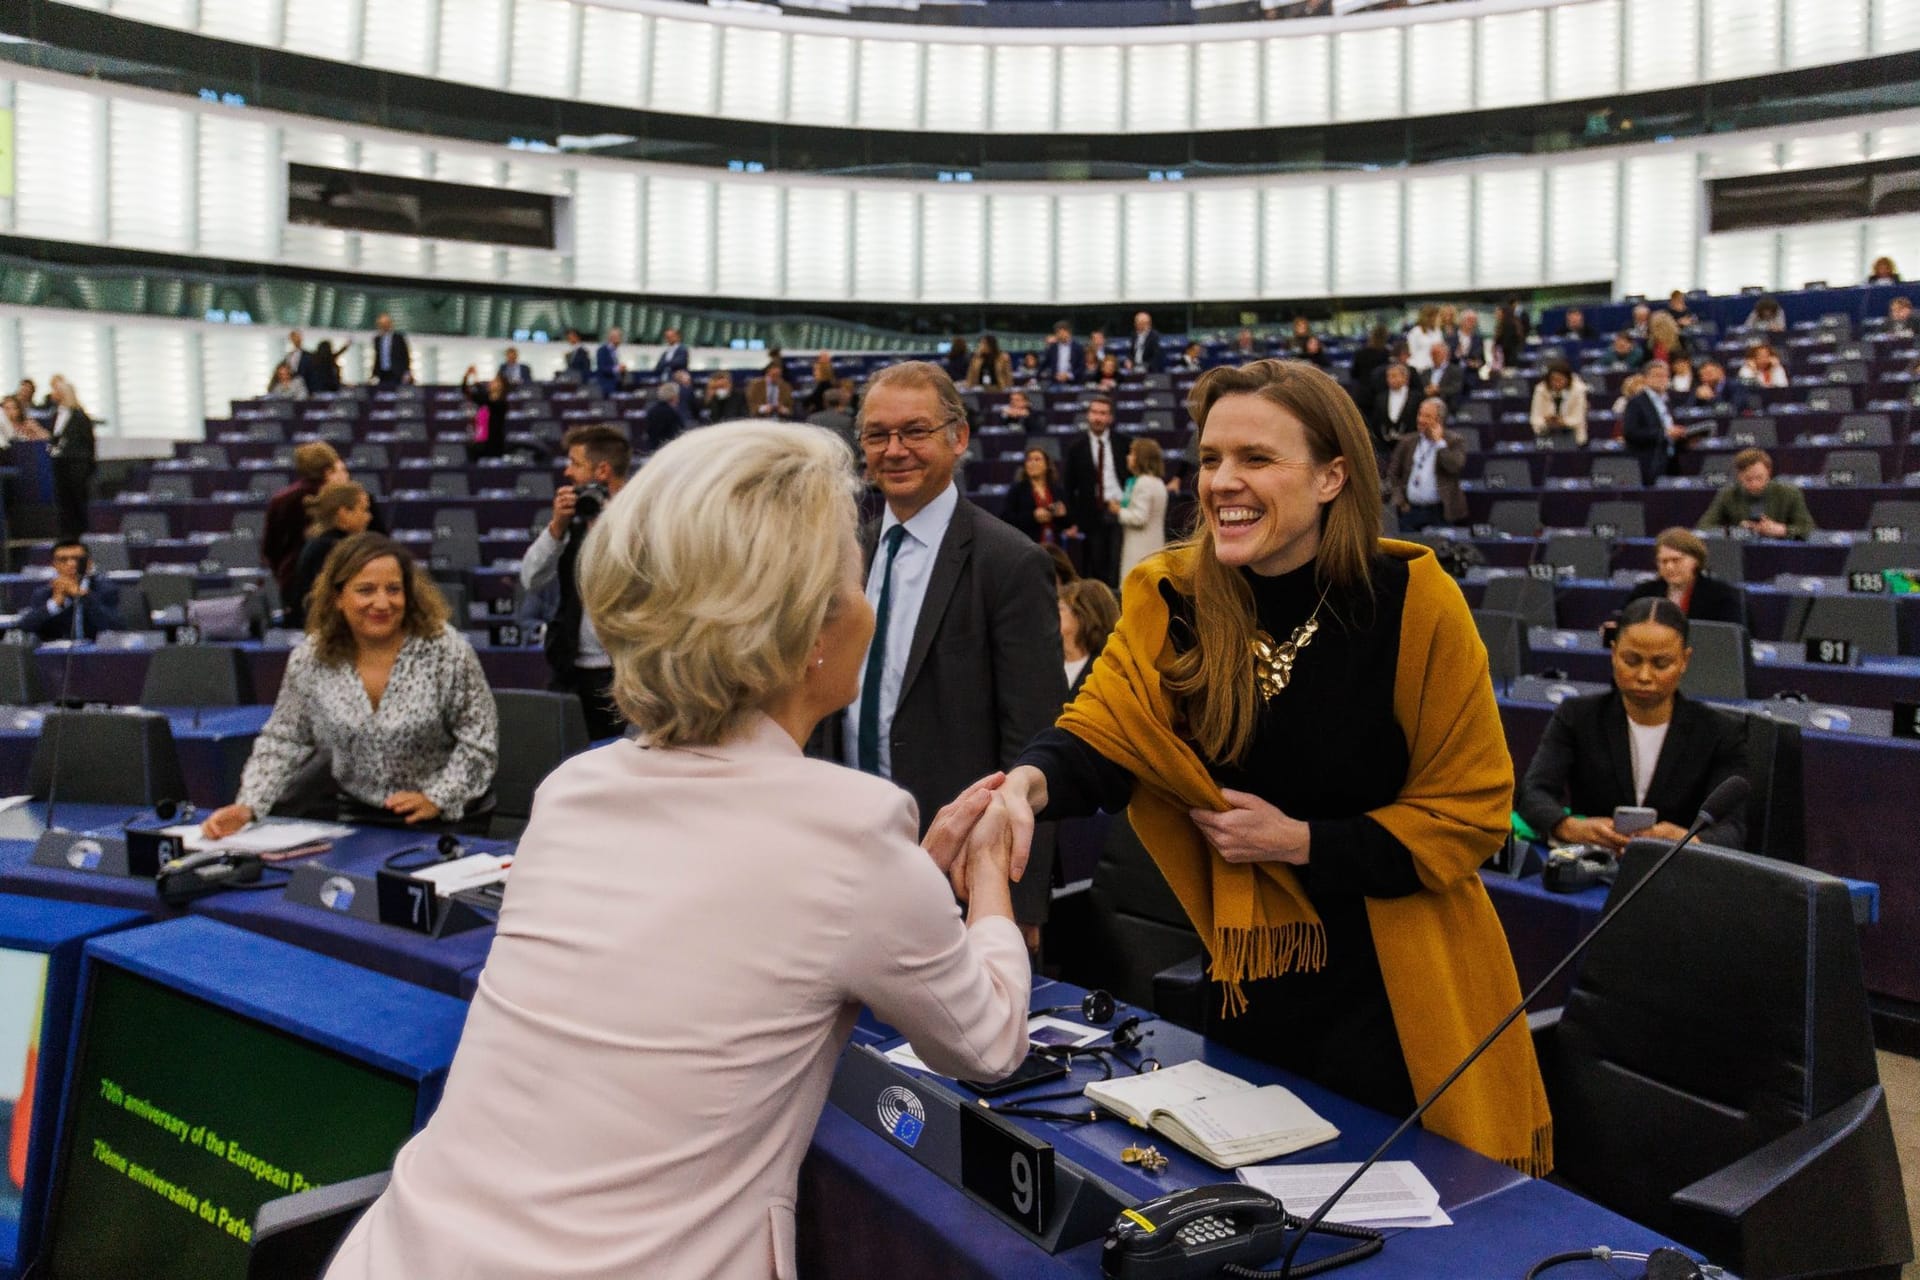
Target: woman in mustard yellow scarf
[{"x": 1297, "y": 716}]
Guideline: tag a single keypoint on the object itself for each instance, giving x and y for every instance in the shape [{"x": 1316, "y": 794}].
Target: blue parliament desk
[
  {"x": 1775, "y": 667},
  {"x": 213, "y": 742},
  {"x": 868, "y": 1208},
  {"x": 438, "y": 963}
]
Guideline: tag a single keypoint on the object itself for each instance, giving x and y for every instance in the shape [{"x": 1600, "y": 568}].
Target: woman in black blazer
[
  {"x": 1036, "y": 504},
  {"x": 73, "y": 458},
  {"x": 1089, "y": 612},
  {"x": 1680, "y": 559},
  {"x": 1642, "y": 744}
]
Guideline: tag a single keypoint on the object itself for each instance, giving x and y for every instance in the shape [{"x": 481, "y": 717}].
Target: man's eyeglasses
[{"x": 876, "y": 440}]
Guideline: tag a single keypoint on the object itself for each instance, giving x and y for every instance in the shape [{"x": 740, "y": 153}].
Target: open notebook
[{"x": 1221, "y": 1118}]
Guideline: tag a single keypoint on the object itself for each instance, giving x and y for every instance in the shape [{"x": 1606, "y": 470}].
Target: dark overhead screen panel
[
  {"x": 350, "y": 201},
  {"x": 1877, "y": 189}
]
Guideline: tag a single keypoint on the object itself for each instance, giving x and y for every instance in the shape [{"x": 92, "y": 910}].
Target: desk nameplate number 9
[
  {"x": 406, "y": 901},
  {"x": 1007, "y": 1168}
]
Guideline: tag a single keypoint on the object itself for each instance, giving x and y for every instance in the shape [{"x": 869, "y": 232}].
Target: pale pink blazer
[{"x": 685, "y": 943}]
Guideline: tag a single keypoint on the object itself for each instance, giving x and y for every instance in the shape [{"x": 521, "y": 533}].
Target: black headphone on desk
[
  {"x": 445, "y": 849},
  {"x": 1096, "y": 1007}
]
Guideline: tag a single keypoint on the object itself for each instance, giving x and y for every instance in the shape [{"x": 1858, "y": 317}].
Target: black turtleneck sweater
[{"x": 1326, "y": 751}]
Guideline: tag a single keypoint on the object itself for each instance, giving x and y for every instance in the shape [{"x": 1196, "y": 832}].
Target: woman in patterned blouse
[{"x": 388, "y": 689}]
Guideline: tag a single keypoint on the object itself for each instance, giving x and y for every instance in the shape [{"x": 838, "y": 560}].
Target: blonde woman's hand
[
  {"x": 946, "y": 838},
  {"x": 989, "y": 858}
]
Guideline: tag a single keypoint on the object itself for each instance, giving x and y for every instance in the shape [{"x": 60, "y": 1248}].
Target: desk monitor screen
[
  {"x": 23, "y": 990},
  {"x": 184, "y": 1118}
]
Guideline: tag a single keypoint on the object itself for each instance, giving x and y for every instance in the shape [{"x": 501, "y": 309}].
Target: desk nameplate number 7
[{"x": 406, "y": 901}]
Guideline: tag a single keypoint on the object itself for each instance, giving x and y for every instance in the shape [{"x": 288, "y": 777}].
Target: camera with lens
[{"x": 589, "y": 500}]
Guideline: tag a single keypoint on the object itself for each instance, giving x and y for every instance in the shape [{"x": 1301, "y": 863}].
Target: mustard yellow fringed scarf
[{"x": 1443, "y": 954}]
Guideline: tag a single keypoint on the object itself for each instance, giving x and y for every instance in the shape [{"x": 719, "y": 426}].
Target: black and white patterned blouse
[{"x": 436, "y": 730}]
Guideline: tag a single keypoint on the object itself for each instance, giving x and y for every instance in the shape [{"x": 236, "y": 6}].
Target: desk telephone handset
[
  {"x": 1197, "y": 1233},
  {"x": 209, "y": 871}
]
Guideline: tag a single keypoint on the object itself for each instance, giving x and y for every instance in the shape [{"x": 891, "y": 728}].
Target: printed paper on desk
[
  {"x": 1055, "y": 1032},
  {"x": 1394, "y": 1193},
  {"x": 271, "y": 836}
]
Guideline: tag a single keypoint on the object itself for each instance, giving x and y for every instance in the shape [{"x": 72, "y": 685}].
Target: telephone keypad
[{"x": 1208, "y": 1230}]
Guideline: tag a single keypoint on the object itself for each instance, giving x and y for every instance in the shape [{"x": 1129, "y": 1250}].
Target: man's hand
[
  {"x": 1254, "y": 831},
  {"x": 413, "y": 806},
  {"x": 1769, "y": 528},
  {"x": 564, "y": 499},
  {"x": 946, "y": 838}
]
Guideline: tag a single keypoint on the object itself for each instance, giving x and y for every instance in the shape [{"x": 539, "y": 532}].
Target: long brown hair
[
  {"x": 333, "y": 642},
  {"x": 1212, "y": 683}
]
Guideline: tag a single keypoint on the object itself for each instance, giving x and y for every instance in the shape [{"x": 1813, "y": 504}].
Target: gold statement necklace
[{"x": 1273, "y": 662}]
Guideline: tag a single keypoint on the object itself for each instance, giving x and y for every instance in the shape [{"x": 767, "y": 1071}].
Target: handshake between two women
[{"x": 981, "y": 841}]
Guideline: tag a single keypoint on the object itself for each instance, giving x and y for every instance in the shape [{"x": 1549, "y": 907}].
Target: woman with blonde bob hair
[
  {"x": 696, "y": 915},
  {"x": 1298, "y": 718}
]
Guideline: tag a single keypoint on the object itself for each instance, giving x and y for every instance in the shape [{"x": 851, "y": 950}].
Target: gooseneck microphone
[{"x": 1728, "y": 797}]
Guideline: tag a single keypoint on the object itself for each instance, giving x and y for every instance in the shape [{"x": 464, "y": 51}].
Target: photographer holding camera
[{"x": 598, "y": 457}]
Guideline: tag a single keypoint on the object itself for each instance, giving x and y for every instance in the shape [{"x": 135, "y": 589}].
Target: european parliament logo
[{"x": 901, "y": 1114}]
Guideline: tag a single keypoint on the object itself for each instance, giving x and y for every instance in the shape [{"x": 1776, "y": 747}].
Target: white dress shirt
[
  {"x": 1111, "y": 490},
  {"x": 912, "y": 571},
  {"x": 1645, "y": 740},
  {"x": 1396, "y": 401},
  {"x": 1423, "y": 484},
  {"x": 1063, "y": 358},
  {"x": 539, "y": 567}
]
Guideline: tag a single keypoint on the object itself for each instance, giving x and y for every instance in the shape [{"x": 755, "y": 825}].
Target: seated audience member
[
  {"x": 1899, "y": 318},
  {"x": 1036, "y": 504},
  {"x": 1019, "y": 412},
  {"x": 1189, "y": 360},
  {"x": 1680, "y": 378},
  {"x": 287, "y": 385},
  {"x": 1315, "y": 353},
  {"x": 723, "y": 403},
  {"x": 662, "y": 1136},
  {"x": 1677, "y": 308},
  {"x": 1883, "y": 272},
  {"x": 76, "y": 603},
  {"x": 335, "y": 514},
  {"x": 1368, "y": 362},
  {"x": 16, "y": 424},
  {"x": 1088, "y": 614},
  {"x": 1709, "y": 384},
  {"x": 1063, "y": 570},
  {"x": 1559, "y": 405},
  {"x": 1755, "y": 501},
  {"x": 1766, "y": 315},
  {"x": 390, "y": 693},
  {"x": 1107, "y": 376},
  {"x": 835, "y": 418},
  {"x": 1763, "y": 368},
  {"x": 1573, "y": 325},
  {"x": 489, "y": 414},
  {"x": 1245, "y": 347},
  {"x": 990, "y": 366},
  {"x": 1680, "y": 576},
  {"x": 1642, "y": 318},
  {"x": 1143, "y": 506},
  {"x": 1028, "y": 374},
  {"x": 1423, "y": 476},
  {"x": 1663, "y": 340},
  {"x": 1395, "y": 410},
  {"x": 1625, "y": 353},
  {"x": 1644, "y": 744},
  {"x": 315, "y": 466},
  {"x": 1301, "y": 334}
]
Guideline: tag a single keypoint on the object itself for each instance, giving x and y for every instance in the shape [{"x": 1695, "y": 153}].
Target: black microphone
[
  {"x": 66, "y": 687},
  {"x": 1726, "y": 798}
]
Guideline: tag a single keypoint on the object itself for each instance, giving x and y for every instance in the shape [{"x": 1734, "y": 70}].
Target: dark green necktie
[{"x": 877, "y": 659}]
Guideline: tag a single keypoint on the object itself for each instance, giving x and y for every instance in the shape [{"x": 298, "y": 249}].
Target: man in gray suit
[{"x": 965, "y": 665}]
